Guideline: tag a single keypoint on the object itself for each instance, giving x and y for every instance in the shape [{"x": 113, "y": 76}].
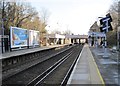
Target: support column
[
  {"x": 79, "y": 41},
  {"x": 62, "y": 41}
]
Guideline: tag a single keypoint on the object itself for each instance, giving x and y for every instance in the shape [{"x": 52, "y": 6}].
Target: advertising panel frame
[
  {"x": 18, "y": 38},
  {"x": 33, "y": 38},
  {"x": 31, "y": 34},
  {"x": 36, "y": 38}
]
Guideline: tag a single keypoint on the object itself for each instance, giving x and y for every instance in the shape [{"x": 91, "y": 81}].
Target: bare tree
[
  {"x": 67, "y": 32},
  {"x": 24, "y": 12},
  {"x": 114, "y": 13},
  {"x": 15, "y": 13},
  {"x": 33, "y": 24},
  {"x": 112, "y": 35},
  {"x": 55, "y": 32},
  {"x": 44, "y": 15}
]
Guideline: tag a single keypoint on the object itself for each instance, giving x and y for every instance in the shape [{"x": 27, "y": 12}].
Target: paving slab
[
  {"x": 85, "y": 70},
  {"x": 109, "y": 67}
]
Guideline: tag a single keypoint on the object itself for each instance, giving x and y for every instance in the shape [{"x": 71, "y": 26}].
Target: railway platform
[
  {"x": 27, "y": 51},
  {"x": 85, "y": 70}
]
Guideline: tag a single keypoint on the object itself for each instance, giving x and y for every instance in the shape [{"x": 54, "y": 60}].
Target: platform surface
[
  {"x": 25, "y": 51},
  {"x": 85, "y": 70}
]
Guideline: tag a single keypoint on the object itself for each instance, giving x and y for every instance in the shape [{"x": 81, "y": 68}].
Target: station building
[
  {"x": 53, "y": 39},
  {"x": 95, "y": 37}
]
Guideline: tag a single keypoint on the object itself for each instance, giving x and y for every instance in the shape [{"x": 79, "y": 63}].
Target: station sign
[
  {"x": 106, "y": 23},
  {"x": 96, "y": 34}
]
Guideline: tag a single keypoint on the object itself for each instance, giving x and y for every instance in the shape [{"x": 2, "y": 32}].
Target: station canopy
[{"x": 55, "y": 36}]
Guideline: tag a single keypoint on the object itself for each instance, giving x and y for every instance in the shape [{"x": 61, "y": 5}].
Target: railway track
[
  {"x": 59, "y": 73},
  {"x": 23, "y": 59},
  {"x": 37, "y": 57},
  {"x": 59, "y": 65},
  {"x": 36, "y": 81}
]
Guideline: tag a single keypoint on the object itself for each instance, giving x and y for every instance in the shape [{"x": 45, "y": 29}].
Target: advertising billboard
[
  {"x": 36, "y": 37},
  {"x": 31, "y": 34},
  {"x": 18, "y": 37},
  {"x": 33, "y": 37}
]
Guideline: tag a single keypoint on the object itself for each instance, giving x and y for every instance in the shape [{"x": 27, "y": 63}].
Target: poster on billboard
[
  {"x": 31, "y": 34},
  {"x": 18, "y": 37},
  {"x": 36, "y": 37},
  {"x": 33, "y": 37}
]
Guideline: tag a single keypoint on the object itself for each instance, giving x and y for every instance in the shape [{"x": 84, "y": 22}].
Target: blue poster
[{"x": 18, "y": 37}]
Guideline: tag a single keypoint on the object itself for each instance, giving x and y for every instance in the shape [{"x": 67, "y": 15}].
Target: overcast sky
[{"x": 75, "y": 15}]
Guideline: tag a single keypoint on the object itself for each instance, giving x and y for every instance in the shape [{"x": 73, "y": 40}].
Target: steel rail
[
  {"x": 64, "y": 81},
  {"x": 39, "y": 62},
  {"x": 42, "y": 76}
]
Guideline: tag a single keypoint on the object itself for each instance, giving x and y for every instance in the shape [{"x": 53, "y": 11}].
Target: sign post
[
  {"x": 106, "y": 26},
  {"x": 2, "y": 39},
  {"x": 105, "y": 30}
]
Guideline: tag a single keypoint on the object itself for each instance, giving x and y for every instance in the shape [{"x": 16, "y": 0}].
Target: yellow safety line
[
  {"x": 103, "y": 83},
  {"x": 100, "y": 75}
]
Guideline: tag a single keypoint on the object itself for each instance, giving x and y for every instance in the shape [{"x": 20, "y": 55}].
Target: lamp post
[
  {"x": 2, "y": 35},
  {"x": 1, "y": 40}
]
